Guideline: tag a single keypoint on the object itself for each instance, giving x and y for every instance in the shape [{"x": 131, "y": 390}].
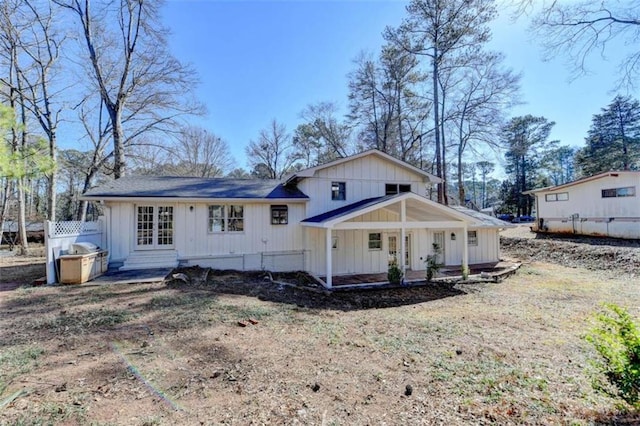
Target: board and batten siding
[
  {"x": 365, "y": 177},
  {"x": 192, "y": 238},
  {"x": 587, "y": 212},
  {"x": 352, "y": 255},
  {"x": 119, "y": 218}
]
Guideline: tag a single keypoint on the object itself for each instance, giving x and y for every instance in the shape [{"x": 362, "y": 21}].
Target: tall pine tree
[{"x": 613, "y": 141}]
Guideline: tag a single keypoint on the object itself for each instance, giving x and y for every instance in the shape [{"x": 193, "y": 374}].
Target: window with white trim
[
  {"x": 226, "y": 218},
  {"x": 472, "y": 238},
  {"x": 559, "y": 196},
  {"x": 375, "y": 241},
  {"x": 627, "y": 191}
]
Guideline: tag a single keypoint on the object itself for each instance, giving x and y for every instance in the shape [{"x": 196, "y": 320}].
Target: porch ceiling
[
  {"x": 418, "y": 212},
  {"x": 415, "y": 212}
]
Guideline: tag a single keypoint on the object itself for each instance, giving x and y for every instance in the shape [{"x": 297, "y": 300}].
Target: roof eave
[{"x": 191, "y": 199}]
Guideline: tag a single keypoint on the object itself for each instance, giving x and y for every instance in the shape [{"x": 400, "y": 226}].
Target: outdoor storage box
[{"x": 80, "y": 268}]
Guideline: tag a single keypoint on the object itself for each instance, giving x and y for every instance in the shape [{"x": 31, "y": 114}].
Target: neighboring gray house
[{"x": 606, "y": 204}]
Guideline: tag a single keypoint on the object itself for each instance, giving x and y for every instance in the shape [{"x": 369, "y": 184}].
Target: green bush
[
  {"x": 617, "y": 339},
  {"x": 394, "y": 275},
  {"x": 432, "y": 263}
]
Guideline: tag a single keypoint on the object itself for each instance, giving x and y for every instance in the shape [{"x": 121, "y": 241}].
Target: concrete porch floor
[{"x": 419, "y": 275}]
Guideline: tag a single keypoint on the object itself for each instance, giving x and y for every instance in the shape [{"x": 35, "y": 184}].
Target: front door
[
  {"x": 393, "y": 249},
  {"x": 154, "y": 227}
]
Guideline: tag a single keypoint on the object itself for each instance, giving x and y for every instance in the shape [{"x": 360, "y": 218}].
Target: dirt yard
[{"x": 155, "y": 354}]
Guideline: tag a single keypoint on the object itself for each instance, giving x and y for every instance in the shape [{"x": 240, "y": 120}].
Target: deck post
[
  {"x": 465, "y": 248},
  {"x": 403, "y": 248},
  {"x": 328, "y": 258}
]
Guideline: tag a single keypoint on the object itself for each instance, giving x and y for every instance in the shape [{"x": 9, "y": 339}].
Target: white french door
[
  {"x": 393, "y": 248},
  {"x": 154, "y": 227}
]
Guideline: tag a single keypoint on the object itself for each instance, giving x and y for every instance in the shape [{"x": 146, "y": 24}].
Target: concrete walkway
[{"x": 114, "y": 276}]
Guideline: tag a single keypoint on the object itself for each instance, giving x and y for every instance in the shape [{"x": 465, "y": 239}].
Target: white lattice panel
[{"x": 74, "y": 227}]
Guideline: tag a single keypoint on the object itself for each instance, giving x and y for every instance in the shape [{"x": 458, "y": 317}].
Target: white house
[
  {"x": 349, "y": 216},
  {"x": 605, "y": 204}
]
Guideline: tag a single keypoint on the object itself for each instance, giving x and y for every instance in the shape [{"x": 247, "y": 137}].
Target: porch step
[{"x": 150, "y": 260}]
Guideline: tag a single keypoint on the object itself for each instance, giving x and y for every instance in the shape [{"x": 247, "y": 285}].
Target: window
[
  {"x": 396, "y": 188},
  {"x": 560, "y": 196},
  {"x": 279, "y": 215},
  {"x": 629, "y": 191},
  {"x": 216, "y": 218},
  {"x": 226, "y": 218},
  {"x": 338, "y": 191},
  {"x": 375, "y": 241},
  {"x": 472, "y": 238}
]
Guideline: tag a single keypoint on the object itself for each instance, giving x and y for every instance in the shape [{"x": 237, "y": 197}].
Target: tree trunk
[
  {"x": 118, "y": 145},
  {"x": 5, "y": 206},
  {"x": 436, "y": 121},
  {"x": 460, "y": 176}
]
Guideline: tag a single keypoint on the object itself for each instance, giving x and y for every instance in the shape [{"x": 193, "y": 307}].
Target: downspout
[{"x": 328, "y": 259}]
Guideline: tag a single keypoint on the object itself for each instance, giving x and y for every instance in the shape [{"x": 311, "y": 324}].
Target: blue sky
[{"x": 259, "y": 60}]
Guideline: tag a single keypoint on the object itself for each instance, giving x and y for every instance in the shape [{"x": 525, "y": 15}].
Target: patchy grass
[
  {"x": 17, "y": 361},
  {"x": 509, "y": 353}
]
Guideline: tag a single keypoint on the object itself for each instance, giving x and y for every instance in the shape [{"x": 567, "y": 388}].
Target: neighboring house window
[
  {"x": 396, "y": 188},
  {"x": 629, "y": 191},
  {"x": 472, "y": 238},
  {"x": 560, "y": 196},
  {"x": 279, "y": 215},
  {"x": 375, "y": 241},
  {"x": 226, "y": 218},
  {"x": 338, "y": 191}
]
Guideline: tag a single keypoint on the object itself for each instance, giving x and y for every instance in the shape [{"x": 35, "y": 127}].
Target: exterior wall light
[{"x": 453, "y": 236}]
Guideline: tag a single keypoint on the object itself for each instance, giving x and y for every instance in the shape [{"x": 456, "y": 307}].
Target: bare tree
[
  {"x": 486, "y": 91},
  {"x": 585, "y": 28},
  {"x": 333, "y": 135},
  {"x": 39, "y": 42},
  {"x": 132, "y": 70},
  {"x": 200, "y": 153},
  {"x": 440, "y": 30},
  {"x": 486, "y": 168},
  {"x": 271, "y": 156}
]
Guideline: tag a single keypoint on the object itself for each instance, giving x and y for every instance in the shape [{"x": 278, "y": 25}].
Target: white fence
[{"x": 58, "y": 237}]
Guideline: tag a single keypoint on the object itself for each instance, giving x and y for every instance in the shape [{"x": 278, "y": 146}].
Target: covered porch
[
  {"x": 490, "y": 269},
  {"x": 362, "y": 238}
]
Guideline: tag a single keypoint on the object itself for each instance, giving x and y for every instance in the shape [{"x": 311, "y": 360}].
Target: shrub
[
  {"x": 394, "y": 275},
  {"x": 617, "y": 339},
  {"x": 432, "y": 263}
]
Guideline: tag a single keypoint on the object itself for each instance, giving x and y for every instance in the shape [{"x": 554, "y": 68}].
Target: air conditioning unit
[{"x": 83, "y": 248}]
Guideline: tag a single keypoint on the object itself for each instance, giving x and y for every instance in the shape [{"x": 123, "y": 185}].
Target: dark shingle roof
[
  {"x": 189, "y": 187},
  {"x": 347, "y": 209}
]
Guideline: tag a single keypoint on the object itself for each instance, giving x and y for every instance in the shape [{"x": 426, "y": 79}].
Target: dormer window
[
  {"x": 338, "y": 191},
  {"x": 396, "y": 188}
]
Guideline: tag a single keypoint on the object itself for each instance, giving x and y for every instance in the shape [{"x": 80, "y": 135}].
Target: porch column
[
  {"x": 328, "y": 258},
  {"x": 403, "y": 248},
  {"x": 465, "y": 247}
]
